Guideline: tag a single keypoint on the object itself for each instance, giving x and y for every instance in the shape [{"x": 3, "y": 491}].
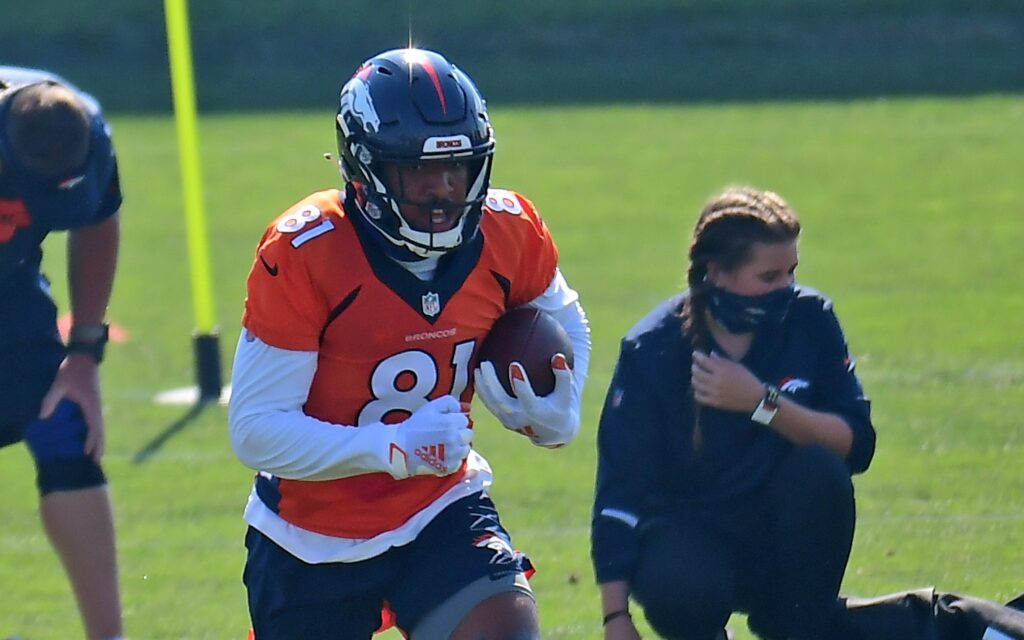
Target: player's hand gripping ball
[
  {"x": 530, "y": 337},
  {"x": 542, "y": 401}
]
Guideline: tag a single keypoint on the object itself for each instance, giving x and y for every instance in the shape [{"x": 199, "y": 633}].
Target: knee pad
[{"x": 57, "y": 445}]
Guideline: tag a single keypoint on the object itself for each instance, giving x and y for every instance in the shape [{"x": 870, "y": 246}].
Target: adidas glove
[
  {"x": 549, "y": 421},
  {"x": 434, "y": 440}
]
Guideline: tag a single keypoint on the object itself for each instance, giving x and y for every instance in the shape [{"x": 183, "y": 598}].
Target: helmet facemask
[{"x": 385, "y": 198}]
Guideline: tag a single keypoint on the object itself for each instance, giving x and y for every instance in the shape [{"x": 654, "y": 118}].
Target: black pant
[{"x": 778, "y": 555}]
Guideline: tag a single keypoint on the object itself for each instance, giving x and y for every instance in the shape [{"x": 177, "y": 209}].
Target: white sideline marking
[{"x": 188, "y": 396}]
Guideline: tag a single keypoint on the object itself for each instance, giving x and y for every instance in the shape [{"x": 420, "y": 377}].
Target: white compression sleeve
[{"x": 270, "y": 432}]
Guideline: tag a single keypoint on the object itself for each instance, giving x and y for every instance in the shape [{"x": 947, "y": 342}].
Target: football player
[
  {"x": 358, "y": 360},
  {"x": 58, "y": 172}
]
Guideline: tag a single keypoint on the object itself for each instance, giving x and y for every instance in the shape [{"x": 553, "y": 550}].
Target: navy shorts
[
  {"x": 290, "y": 599},
  {"x": 30, "y": 351}
]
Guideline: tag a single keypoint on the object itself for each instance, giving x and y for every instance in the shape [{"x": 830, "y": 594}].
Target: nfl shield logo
[{"x": 431, "y": 304}]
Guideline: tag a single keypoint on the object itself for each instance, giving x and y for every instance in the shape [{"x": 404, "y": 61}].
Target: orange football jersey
[{"x": 387, "y": 342}]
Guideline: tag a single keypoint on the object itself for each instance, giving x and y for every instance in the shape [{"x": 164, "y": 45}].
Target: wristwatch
[
  {"x": 769, "y": 406},
  {"x": 90, "y": 339}
]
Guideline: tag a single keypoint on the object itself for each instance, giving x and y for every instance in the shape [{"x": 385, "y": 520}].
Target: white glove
[
  {"x": 433, "y": 441},
  {"x": 549, "y": 421}
]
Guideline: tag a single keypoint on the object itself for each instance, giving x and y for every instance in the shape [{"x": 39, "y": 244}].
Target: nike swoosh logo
[{"x": 272, "y": 270}]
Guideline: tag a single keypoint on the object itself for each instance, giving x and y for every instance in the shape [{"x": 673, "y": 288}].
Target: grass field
[{"x": 913, "y": 224}]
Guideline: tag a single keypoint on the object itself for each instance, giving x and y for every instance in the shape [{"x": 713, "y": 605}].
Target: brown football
[{"x": 530, "y": 337}]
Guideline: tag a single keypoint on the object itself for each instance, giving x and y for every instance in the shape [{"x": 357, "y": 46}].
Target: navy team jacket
[
  {"x": 646, "y": 462},
  {"x": 30, "y": 208}
]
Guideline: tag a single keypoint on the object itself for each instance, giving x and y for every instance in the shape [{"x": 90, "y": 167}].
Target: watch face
[{"x": 764, "y": 413}]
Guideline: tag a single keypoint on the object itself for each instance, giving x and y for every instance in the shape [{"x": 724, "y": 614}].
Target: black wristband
[
  {"x": 616, "y": 614},
  {"x": 89, "y": 333},
  {"x": 92, "y": 349},
  {"x": 90, "y": 340}
]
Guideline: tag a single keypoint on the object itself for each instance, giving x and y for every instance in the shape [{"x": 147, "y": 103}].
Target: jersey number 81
[{"x": 423, "y": 369}]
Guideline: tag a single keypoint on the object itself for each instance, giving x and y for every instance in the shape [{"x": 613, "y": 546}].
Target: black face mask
[{"x": 743, "y": 314}]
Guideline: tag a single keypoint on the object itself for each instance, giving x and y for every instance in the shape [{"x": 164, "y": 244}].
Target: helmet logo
[
  {"x": 372, "y": 210},
  {"x": 357, "y": 103}
]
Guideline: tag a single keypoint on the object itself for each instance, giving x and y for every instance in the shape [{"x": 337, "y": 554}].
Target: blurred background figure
[{"x": 58, "y": 171}]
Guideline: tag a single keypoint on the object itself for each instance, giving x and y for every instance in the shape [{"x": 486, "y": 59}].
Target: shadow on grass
[{"x": 153, "y": 446}]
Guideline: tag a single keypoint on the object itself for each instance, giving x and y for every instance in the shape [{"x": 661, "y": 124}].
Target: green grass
[{"x": 913, "y": 223}]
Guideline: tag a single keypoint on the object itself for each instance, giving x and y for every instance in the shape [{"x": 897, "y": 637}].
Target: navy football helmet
[{"x": 411, "y": 106}]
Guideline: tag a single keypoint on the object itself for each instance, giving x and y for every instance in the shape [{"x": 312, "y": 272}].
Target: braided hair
[{"x": 726, "y": 231}]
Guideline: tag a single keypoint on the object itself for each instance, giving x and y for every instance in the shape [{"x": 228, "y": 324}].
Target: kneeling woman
[{"x": 731, "y": 428}]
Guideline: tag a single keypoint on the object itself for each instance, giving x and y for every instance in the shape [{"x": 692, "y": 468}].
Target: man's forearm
[{"x": 92, "y": 262}]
